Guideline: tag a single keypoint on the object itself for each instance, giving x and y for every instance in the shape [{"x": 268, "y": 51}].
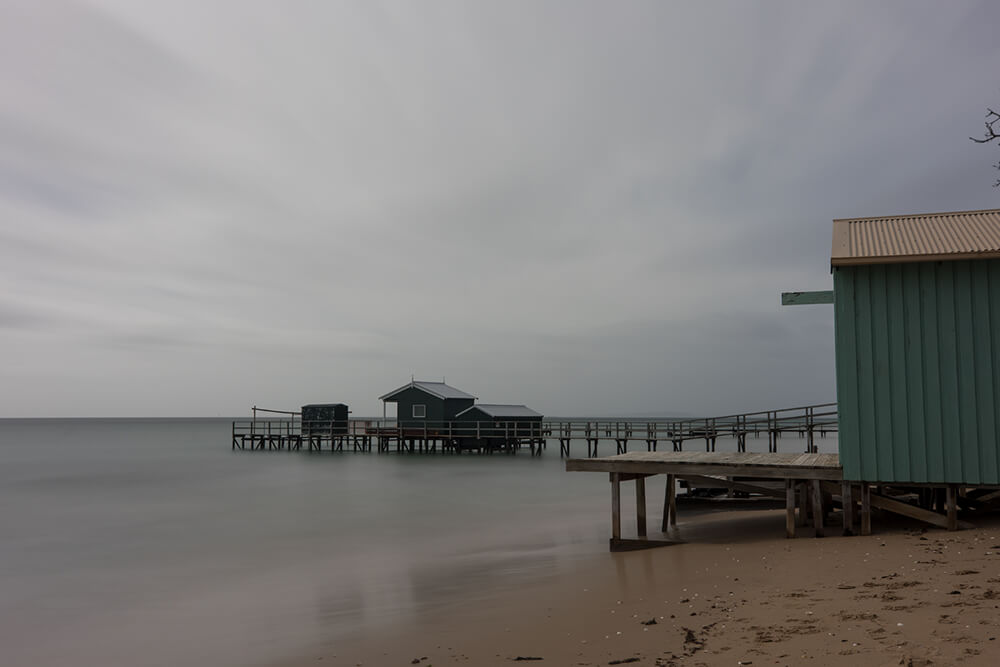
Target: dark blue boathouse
[{"x": 427, "y": 402}]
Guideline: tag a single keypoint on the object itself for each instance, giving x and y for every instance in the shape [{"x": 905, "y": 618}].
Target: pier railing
[{"x": 422, "y": 435}]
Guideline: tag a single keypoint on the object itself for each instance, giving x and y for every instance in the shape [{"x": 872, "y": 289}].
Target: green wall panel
[
  {"x": 984, "y": 370},
  {"x": 918, "y": 350}
]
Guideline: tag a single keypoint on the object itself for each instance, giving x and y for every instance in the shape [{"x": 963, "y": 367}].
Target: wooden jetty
[
  {"x": 801, "y": 474},
  {"x": 289, "y": 432},
  {"x": 811, "y": 484}
]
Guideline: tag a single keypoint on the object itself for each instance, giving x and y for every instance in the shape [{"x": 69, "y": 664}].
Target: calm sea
[{"x": 148, "y": 542}]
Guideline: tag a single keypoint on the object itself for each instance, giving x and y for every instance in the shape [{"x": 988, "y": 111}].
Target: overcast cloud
[{"x": 588, "y": 207}]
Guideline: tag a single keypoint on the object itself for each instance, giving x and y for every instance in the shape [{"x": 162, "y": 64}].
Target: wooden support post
[
  {"x": 670, "y": 504},
  {"x": 789, "y": 508},
  {"x": 640, "y": 506},
  {"x": 952, "y": 503},
  {"x": 847, "y": 503},
  {"x": 866, "y": 509},
  {"x": 616, "y": 506},
  {"x": 923, "y": 499},
  {"x": 803, "y": 518},
  {"x": 817, "y": 507}
]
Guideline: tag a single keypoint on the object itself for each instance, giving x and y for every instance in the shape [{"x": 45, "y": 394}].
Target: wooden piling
[
  {"x": 670, "y": 504},
  {"x": 847, "y": 503},
  {"x": 640, "y": 506},
  {"x": 952, "y": 503},
  {"x": 817, "y": 507},
  {"x": 866, "y": 509},
  {"x": 803, "y": 491},
  {"x": 789, "y": 508},
  {"x": 616, "y": 506}
]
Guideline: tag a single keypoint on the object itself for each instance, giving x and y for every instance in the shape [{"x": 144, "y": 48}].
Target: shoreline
[{"x": 737, "y": 592}]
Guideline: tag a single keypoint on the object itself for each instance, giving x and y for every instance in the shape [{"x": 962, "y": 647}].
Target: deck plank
[{"x": 775, "y": 465}]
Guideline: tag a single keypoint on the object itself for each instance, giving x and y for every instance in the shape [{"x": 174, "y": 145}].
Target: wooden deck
[
  {"x": 742, "y": 464},
  {"x": 812, "y": 485},
  {"x": 808, "y": 481}
]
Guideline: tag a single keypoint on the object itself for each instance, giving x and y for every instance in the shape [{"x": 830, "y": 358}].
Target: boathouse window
[{"x": 419, "y": 411}]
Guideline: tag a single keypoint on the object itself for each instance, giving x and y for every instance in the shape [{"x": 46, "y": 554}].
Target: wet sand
[{"x": 736, "y": 593}]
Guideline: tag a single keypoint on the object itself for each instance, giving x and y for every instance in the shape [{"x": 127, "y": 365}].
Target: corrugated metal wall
[{"x": 918, "y": 356}]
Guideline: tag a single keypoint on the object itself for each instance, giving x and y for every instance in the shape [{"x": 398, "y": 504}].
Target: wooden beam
[
  {"x": 629, "y": 476},
  {"x": 670, "y": 504},
  {"x": 817, "y": 507},
  {"x": 735, "y": 486},
  {"x": 653, "y": 467},
  {"x": 640, "y": 506},
  {"x": 635, "y": 545},
  {"x": 847, "y": 504},
  {"x": 866, "y": 508},
  {"x": 913, "y": 512},
  {"x": 806, "y": 298},
  {"x": 952, "y": 494},
  {"x": 789, "y": 508},
  {"x": 987, "y": 498},
  {"x": 803, "y": 491},
  {"x": 616, "y": 507}
]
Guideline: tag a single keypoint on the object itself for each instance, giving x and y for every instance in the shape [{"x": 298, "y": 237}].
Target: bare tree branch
[{"x": 992, "y": 118}]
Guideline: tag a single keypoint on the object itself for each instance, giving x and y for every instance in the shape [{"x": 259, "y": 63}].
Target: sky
[{"x": 587, "y": 207}]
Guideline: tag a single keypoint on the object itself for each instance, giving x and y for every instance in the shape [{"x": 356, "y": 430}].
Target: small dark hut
[
  {"x": 322, "y": 419},
  {"x": 496, "y": 426},
  {"x": 498, "y": 415}
]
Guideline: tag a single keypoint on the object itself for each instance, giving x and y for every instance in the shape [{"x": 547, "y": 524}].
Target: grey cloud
[
  {"x": 14, "y": 317},
  {"x": 586, "y": 208}
]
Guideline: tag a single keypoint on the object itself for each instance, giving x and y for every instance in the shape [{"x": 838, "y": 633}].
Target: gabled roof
[
  {"x": 437, "y": 389},
  {"x": 496, "y": 410},
  {"x": 916, "y": 238}
]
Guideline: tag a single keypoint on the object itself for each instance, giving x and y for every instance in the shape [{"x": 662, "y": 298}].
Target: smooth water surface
[{"x": 150, "y": 542}]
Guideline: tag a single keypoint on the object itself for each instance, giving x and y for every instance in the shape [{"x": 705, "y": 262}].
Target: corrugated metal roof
[
  {"x": 439, "y": 389},
  {"x": 496, "y": 410},
  {"x": 916, "y": 238}
]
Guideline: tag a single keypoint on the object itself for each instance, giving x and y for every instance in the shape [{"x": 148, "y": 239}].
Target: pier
[
  {"x": 812, "y": 486},
  {"x": 289, "y": 432},
  {"x": 800, "y": 478}
]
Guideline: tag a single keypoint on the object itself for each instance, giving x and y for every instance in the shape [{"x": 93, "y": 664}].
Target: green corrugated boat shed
[{"x": 917, "y": 319}]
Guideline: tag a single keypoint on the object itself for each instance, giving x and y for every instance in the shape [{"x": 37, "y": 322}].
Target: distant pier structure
[
  {"x": 430, "y": 416},
  {"x": 437, "y": 417}
]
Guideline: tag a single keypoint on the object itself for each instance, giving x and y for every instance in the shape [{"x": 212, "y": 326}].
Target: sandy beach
[{"x": 736, "y": 593}]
